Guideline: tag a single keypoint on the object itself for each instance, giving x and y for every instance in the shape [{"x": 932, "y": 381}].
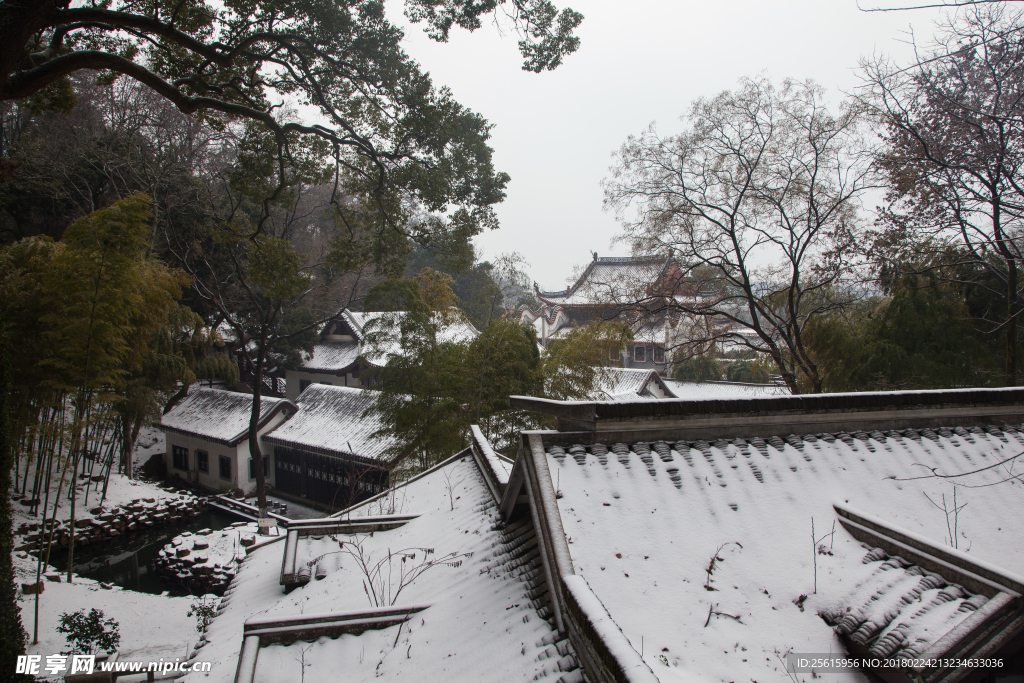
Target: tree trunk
[
  {"x": 254, "y": 442},
  {"x": 1011, "y": 322},
  {"x": 12, "y": 635}
]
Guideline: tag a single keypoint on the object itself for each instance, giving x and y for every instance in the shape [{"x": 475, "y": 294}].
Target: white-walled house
[
  {"x": 342, "y": 354},
  {"x": 207, "y": 438}
]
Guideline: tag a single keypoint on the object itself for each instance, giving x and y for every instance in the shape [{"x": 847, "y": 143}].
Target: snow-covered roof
[
  {"x": 645, "y": 522},
  {"x": 710, "y": 390},
  {"x": 220, "y": 416},
  {"x": 331, "y": 357},
  {"x": 611, "y": 280},
  {"x": 331, "y": 420},
  {"x": 629, "y": 384},
  {"x": 385, "y": 329},
  {"x": 338, "y": 355},
  {"x": 487, "y": 614}
]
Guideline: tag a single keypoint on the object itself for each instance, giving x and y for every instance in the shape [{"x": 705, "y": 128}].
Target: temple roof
[
  {"x": 630, "y": 384},
  {"x": 611, "y": 280},
  {"x": 336, "y": 356}
]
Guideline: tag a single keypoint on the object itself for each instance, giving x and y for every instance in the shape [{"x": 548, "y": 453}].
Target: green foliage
[
  {"x": 105, "y": 319},
  {"x": 503, "y": 361},
  {"x": 698, "y": 369},
  {"x": 87, "y": 633},
  {"x": 749, "y": 371},
  {"x": 420, "y": 402},
  {"x": 919, "y": 338},
  {"x": 204, "y": 612},
  {"x": 12, "y": 633},
  {"x": 571, "y": 365},
  {"x": 394, "y": 295}
]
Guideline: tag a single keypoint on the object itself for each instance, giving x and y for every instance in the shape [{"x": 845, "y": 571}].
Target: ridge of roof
[
  {"x": 220, "y": 416},
  {"x": 553, "y": 298},
  {"x": 673, "y": 419}
]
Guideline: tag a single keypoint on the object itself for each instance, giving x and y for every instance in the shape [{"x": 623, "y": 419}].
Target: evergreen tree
[{"x": 921, "y": 337}]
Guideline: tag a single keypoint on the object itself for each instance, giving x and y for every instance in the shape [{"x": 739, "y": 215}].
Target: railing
[
  {"x": 250, "y": 512},
  {"x": 258, "y": 633}
]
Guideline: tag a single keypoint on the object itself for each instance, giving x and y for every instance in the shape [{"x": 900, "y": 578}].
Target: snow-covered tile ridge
[
  {"x": 332, "y": 356},
  {"x": 259, "y": 633},
  {"x": 221, "y": 416},
  {"x": 871, "y": 529},
  {"x": 589, "y": 614},
  {"x": 495, "y": 468},
  {"x": 331, "y": 420},
  {"x": 901, "y": 609},
  {"x": 699, "y": 550}
]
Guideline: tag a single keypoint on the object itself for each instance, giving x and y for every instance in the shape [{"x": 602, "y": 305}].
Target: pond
[{"x": 129, "y": 560}]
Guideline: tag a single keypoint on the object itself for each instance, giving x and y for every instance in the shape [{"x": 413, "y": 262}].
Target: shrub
[
  {"x": 698, "y": 369},
  {"x": 748, "y": 371},
  {"x": 88, "y": 632}
]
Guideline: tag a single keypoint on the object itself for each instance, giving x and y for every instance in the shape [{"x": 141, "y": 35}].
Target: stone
[
  {"x": 52, "y": 576},
  {"x": 32, "y": 588}
]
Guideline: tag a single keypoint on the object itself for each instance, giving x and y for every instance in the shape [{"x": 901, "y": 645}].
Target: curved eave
[{"x": 321, "y": 450}]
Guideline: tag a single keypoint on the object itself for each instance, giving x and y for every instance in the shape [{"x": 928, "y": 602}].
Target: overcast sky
[{"x": 639, "y": 62}]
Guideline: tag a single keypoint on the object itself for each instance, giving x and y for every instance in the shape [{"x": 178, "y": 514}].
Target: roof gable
[{"x": 220, "y": 416}]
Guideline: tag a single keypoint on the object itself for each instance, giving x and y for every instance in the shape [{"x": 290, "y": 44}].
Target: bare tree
[
  {"x": 953, "y": 127},
  {"x": 757, "y": 200}
]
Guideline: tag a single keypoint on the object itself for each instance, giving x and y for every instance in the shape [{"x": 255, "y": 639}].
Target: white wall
[
  {"x": 294, "y": 379},
  {"x": 239, "y": 459}
]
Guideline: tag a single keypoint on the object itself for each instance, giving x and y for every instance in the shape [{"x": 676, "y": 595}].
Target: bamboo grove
[{"x": 97, "y": 342}]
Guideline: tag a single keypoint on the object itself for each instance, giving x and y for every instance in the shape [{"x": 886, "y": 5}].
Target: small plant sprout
[
  {"x": 451, "y": 486},
  {"x": 715, "y": 559},
  {"x": 386, "y": 578},
  {"x": 820, "y": 549},
  {"x": 953, "y": 512}
]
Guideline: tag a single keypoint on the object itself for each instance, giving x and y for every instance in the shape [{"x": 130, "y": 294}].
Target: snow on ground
[
  {"x": 151, "y": 442},
  {"x": 121, "y": 492},
  {"x": 644, "y": 523},
  {"x": 151, "y": 626},
  {"x": 209, "y": 558}
]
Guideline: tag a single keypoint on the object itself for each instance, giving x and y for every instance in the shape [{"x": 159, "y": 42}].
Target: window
[
  {"x": 303, "y": 383},
  {"x": 640, "y": 354},
  {"x": 180, "y": 458},
  {"x": 203, "y": 461},
  {"x": 659, "y": 354},
  {"x": 252, "y": 469},
  {"x": 225, "y": 467}
]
